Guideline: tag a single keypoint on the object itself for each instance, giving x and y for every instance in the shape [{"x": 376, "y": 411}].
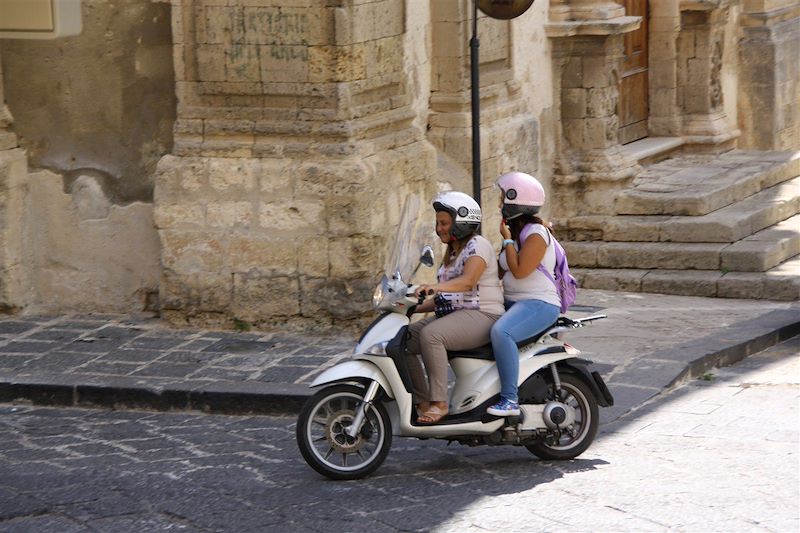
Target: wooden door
[{"x": 633, "y": 106}]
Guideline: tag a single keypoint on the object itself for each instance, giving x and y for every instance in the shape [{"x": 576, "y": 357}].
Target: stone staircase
[{"x": 725, "y": 226}]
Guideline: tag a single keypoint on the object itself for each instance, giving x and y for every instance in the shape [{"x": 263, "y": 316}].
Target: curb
[
  {"x": 121, "y": 393},
  {"x": 733, "y": 354},
  {"x": 256, "y": 398}
]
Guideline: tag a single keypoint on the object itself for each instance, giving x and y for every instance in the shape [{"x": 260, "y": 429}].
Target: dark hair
[{"x": 517, "y": 224}]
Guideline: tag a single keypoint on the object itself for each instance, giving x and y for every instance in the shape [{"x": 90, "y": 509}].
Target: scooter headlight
[{"x": 377, "y": 349}]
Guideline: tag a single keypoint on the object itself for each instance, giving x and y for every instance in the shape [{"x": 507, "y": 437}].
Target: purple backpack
[{"x": 566, "y": 286}]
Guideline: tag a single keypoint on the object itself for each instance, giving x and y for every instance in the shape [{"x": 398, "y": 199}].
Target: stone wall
[{"x": 298, "y": 137}]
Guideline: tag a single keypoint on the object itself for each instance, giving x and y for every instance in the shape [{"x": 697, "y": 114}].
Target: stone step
[
  {"x": 729, "y": 224},
  {"x": 653, "y": 149},
  {"x": 756, "y": 253},
  {"x": 764, "y": 249},
  {"x": 779, "y": 283},
  {"x": 694, "y": 186}
]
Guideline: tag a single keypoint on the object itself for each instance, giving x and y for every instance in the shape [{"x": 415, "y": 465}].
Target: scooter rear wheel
[
  {"x": 575, "y": 439},
  {"x": 325, "y": 445}
]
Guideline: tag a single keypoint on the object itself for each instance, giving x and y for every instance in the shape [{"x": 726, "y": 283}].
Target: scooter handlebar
[{"x": 412, "y": 292}]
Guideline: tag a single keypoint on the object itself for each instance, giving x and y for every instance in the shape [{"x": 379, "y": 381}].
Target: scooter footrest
[{"x": 510, "y": 420}]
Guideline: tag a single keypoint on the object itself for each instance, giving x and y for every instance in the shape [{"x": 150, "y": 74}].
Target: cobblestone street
[{"x": 714, "y": 455}]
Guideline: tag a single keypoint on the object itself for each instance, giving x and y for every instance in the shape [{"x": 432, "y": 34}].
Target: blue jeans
[{"x": 523, "y": 320}]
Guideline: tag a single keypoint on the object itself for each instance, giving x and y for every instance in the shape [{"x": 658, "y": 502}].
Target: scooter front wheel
[{"x": 323, "y": 439}]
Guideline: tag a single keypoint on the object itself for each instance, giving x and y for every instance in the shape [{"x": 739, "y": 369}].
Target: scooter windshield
[{"x": 414, "y": 231}]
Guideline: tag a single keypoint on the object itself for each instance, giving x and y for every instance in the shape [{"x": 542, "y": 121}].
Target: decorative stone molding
[
  {"x": 702, "y": 5},
  {"x": 588, "y": 10},
  {"x": 593, "y": 27},
  {"x": 701, "y": 44},
  {"x": 269, "y": 80}
]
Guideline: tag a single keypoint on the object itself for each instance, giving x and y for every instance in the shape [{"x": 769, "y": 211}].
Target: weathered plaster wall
[
  {"x": 98, "y": 110},
  {"x": 84, "y": 253},
  {"x": 102, "y": 102}
]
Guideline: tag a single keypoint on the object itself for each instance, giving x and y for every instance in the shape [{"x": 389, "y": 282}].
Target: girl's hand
[{"x": 505, "y": 231}]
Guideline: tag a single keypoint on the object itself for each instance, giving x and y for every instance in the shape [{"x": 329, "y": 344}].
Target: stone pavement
[
  {"x": 711, "y": 455},
  {"x": 649, "y": 342}
]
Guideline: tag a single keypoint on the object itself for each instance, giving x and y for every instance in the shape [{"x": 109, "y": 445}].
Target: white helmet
[{"x": 465, "y": 211}]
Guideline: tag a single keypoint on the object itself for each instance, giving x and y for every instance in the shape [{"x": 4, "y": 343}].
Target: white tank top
[{"x": 534, "y": 286}]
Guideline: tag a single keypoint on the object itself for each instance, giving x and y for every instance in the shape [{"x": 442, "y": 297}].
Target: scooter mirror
[{"x": 427, "y": 256}]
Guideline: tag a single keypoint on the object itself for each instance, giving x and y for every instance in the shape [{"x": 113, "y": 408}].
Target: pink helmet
[{"x": 522, "y": 194}]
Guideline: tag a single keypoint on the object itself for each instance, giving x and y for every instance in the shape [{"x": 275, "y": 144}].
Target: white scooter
[{"x": 345, "y": 429}]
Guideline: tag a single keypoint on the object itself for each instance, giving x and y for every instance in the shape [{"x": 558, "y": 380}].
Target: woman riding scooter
[
  {"x": 468, "y": 302},
  {"x": 345, "y": 430},
  {"x": 531, "y": 299}
]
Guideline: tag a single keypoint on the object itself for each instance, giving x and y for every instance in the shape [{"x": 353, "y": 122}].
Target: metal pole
[{"x": 476, "y": 102}]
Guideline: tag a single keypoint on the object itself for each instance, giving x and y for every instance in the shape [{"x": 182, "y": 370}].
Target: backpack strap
[
  {"x": 544, "y": 271},
  {"x": 541, "y": 268}
]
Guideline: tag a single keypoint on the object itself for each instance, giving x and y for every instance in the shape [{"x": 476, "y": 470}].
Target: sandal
[
  {"x": 421, "y": 407},
  {"x": 433, "y": 415}
]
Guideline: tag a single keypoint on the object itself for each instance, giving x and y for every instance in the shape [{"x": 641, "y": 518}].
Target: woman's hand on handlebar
[{"x": 423, "y": 291}]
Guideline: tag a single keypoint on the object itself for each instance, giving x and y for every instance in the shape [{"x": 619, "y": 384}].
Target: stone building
[{"x": 246, "y": 160}]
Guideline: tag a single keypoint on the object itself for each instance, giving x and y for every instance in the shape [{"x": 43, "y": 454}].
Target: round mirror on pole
[{"x": 504, "y": 9}]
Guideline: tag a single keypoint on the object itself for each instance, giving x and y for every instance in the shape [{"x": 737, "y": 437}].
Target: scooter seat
[{"x": 485, "y": 351}]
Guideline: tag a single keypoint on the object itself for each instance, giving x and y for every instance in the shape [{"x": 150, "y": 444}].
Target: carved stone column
[
  {"x": 769, "y": 74},
  {"x": 295, "y": 146},
  {"x": 587, "y": 52},
  {"x": 700, "y": 93}
]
